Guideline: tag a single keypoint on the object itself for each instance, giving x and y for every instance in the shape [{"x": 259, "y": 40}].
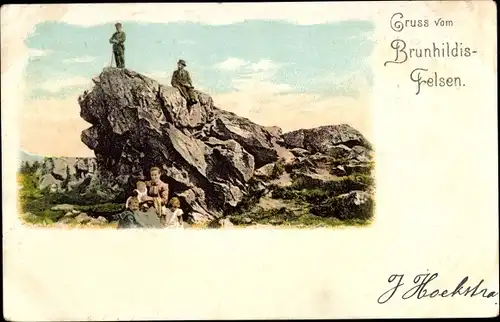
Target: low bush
[
  {"x": 278, "y": 169},
  {"x": 109, "y": 207},
  {"x": 36, "y": 205},
  {"x": 344, "y": 209},
  {"x": 313, "y": 194}
]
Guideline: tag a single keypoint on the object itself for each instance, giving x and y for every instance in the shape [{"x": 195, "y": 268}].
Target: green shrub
[
  {"x": 275, "y": 216},
  {"x": 35, "y": 215},
  {"x": 287, "y": 193},
  {"x": 341, "y": 208},
  {"x": 303, "y": 191},
  {"x": 38, "y": 219},
  {"x": 37, "y": 204},
  {"x": 75, "y": 197},
  {"x": 343, "y": 185},
  {"x": 109, "y": 207},
  {"x": 288, "y": 218},
  {"x": 214, "y": 223},
  {"x": 239, "y": 220},
  {"x": 278, "y": 169}
]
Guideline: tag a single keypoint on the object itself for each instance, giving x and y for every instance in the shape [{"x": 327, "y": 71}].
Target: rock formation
[{"x": 214, "y": 160}]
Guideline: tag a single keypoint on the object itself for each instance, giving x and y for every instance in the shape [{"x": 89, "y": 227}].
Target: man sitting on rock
[{"x": 182, "y": 81}]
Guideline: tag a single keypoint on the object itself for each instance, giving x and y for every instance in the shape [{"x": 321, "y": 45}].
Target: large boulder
[
  {"x": 322, "y": 139},
  {"x": 64, "y": 174},
  {"x": 260, "y": 141},
  {"x": 207, "y": 155}
]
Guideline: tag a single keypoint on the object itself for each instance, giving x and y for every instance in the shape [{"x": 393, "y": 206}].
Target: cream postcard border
[{"x": 436, "y": 178}]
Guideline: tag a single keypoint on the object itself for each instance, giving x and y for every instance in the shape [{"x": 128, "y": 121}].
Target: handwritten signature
[{"x": 421, "y": 283}]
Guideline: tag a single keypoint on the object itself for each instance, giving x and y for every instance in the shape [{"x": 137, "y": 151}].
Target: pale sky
[{"x": 275, "y": 72}]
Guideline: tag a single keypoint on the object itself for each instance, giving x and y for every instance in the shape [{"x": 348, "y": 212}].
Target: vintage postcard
[{"x": 250, "y": 160}]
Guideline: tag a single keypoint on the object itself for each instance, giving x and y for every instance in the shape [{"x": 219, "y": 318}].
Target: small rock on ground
[
  {"x": 65, "y": 207},
  {"x": 83, "y": 218},
  {"x": 71, "y": 214}
]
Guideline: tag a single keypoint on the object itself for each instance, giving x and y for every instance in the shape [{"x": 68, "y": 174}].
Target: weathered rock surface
[
  {"x": 212, "y": 159},
  {"x": 259, "y": 141},
  {"x": 64, "y": 175},
  {"x": 265, "y": 171},
  {"x": 83, "y": 218},
  {"x": 207, "y": 154},
  {"x": 299, "y": 152},
  {"x": 323, "y": 138}
]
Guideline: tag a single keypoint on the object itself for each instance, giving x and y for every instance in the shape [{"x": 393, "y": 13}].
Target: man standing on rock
[
  {"x": 118, "y": 41},
  {"x": 182, "y": 81}
]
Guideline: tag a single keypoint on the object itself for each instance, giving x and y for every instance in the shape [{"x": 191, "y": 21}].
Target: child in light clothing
[
  {"x": 174, "y": 214},
  {"x": 141, "y": 193}
]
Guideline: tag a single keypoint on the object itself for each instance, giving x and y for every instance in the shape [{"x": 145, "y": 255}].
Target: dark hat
[
  {"x": 182, "y": 62},
  {"x": 118, "y": 24}
]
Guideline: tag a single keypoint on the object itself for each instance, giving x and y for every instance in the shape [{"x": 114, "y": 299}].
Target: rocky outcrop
[
  {"x": 207, "y": 154},
  {"x": 324, "y": 139},
  {"x": 64, "y": 175},
  {"x": 215, "y": 161},
  {"x": 260, "y": 141}
]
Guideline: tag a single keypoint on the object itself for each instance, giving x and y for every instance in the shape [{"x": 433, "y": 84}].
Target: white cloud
[
  {"x": 263, "y": 64},
  {"x": 34, "y": 52},
  {"x": 231, "y": 64},
  {"x": 82, "y": 59},
  {"x": 258, "y": 82},
  {"x": 215, "y": 13},
  {"x": 158, "y": 74},
  {"x": 56, "y": 85},
  {"x": 255, "y": 77}
]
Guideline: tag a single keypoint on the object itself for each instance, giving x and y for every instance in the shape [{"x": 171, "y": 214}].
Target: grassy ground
[
  {"x": 293, "y": 218},
  {"x": 36, "y": 207},
  {"x": 36, "y": 222},
  {"x": 310, "y": 205},
  {"x": 299, "y": 205}
]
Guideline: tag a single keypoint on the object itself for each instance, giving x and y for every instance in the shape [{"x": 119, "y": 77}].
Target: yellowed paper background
[{"x": 436, "y": 203}]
